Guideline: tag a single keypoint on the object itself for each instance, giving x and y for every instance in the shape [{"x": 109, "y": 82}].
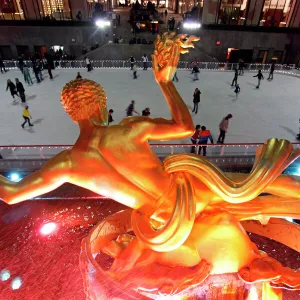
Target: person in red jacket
[
  {"x": 195, "y": 137},
  {"x": 204, "y": 136}
]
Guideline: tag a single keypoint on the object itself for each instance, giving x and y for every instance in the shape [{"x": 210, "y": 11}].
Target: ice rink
[{"x": 271, "y": 111}]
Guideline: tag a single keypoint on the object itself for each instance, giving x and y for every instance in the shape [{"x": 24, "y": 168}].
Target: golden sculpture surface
[{"x": 185, "y": 212}]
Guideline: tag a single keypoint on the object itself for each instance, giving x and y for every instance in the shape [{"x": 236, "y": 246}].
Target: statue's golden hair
[{"x": 82, "y": 98}]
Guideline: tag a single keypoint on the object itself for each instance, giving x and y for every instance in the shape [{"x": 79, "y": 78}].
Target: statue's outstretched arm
[
  {"x": 165, "y": 60},
  {"x": 53, "y": 174}
]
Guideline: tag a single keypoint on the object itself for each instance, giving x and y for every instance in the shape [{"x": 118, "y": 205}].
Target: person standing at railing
[
  {"x": 195, "y": 137},
  {"x": 204, "y": 136},
  {"x": 259, "y": 76},
  {"x": 26, "y": 74},
  {"x": 145, "y": 62},
  {"x": 272, "y": 69},
  {"x": 236, "y": 75},
  {"x": 88, "y": 64},
  {"x": 21, "y": 63},
  {"x": 196, "y": 100},
  {"x": 241, "y": 67},
  {"x": 132, "y": 62},
  {"x": 223, "y": 128},
  {"x": 2, "y": 67}
]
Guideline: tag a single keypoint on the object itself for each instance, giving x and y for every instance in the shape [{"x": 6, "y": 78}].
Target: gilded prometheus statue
[{"x": 185, "y": 213}]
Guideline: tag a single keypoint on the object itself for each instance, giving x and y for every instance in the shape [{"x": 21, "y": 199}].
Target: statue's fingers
[
  {"x": 154, "y": 62},
  {"x": 193, "y": 38},
  {"x": 184, "y": 51}
]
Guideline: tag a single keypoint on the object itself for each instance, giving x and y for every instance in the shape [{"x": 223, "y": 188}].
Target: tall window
[
  {"x": 275, "y": 13},
  {"x": 11, "y": 10},
  {"x": 55, "y": 9},
  {"x": 232, "y": 12}
]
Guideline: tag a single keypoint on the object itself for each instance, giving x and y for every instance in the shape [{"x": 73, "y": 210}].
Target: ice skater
[
  {"x": 194, "y": 138},
  {"x": 237, "y": 91},
  {"x": 175, "y": 77},
  {"x": 12, "y": 88},
  {"x": 235, "y": 78},
  {"x": 2, "y": 66},
  {"x": 259, "y": 76},
  {"x": 26, "y": 74},
  {"x": 241, "y": 67},
  {"x": 146, "y": 112},
  {"x": 78, "y": 76},
  {"x": 49, "y": 67},
  {"x": 272, "y": 69},
  {"x": 204, "y": 136},
  {"x": 195, "y": 71},
  {"x": 132, "y": 62},
  {"x": 21, "y": 63},
  {"x": 20, "y": 90},
  {"x": 88, "y": 64},
  {"x": 196, "y": 100},
  {"x": 223, "y": 128},
  {"x": 145, "y": 62},
  {"x": 130, "y": 109},
  {"x": 134, "y": 70},
  {"x": 26, "y": 116},
  {"x": 110, "y": 118},
  {"x": 37, "y": 71}
]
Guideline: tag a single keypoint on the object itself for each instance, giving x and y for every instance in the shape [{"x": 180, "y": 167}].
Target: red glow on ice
[{"x": 48, "y": 228}]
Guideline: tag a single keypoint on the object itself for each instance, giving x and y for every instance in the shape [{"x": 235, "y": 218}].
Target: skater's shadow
[
  {"x": 31, "y": 97},
  {"x": 289, "y": 130},
  {"x": 55, "y": 76},
  {"x": 29, "y": 129},
  {"x": 15, "y": 103},
  {"x": 38, "y": 121},
  {"x": 229, "y": 83},
  {"x": 190, "y": 107}
]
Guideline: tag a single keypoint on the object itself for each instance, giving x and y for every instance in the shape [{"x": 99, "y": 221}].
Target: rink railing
[
  {"x": 24, "y": 152},
  {"x": 112, "y": 64}
]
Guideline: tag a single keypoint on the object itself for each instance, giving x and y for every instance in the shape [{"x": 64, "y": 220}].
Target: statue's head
[{"x": 85, "y": 99}]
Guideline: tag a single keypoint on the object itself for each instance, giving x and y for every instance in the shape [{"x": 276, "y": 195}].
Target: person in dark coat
[
  {"x": 110, "y": 113},
  {"x": 20, "y": 90},
  {"x": 146, "y": 112},
  {"x": 236, "y": 75},
  {"x": 271, "y": 71},
  {"x": 196, "y": 100},
  {"x": 241, "y": 67},
  {"x": 11, "y": 86},
  {"x": 132, "y": 62},
  {"x": 237, "y": 91},
  {"x": 204, "y": 136},
  {"x": 195, "y": 71},
  {"x": 259, "y": 76},
  {"x": 2, "y": 67},
  {"x": 78, "y": 76},
  {"x": 36, "y": 70},
  {"x": 21, "y": 63}
]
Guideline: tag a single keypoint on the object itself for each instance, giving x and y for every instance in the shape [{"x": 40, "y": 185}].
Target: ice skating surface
[{"x": 258, "y": 114}]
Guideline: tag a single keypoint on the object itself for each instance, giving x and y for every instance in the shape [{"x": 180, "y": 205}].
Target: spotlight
[
  {"x": 15, "y": 177},
  {"x": 191, "y": 25},
  {"x": 16, "y": 283},
  {"x": 4, "y": 275},
  {"x": 48, "y": 228},
  {"x": 102, "y": 23}
]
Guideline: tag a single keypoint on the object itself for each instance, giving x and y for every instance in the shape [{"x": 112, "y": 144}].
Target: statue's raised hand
[{"x": 168, "y": 48}]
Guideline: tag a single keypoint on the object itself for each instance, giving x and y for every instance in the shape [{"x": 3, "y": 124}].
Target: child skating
[
  {"x": 237, "y": 91},
  {"x": 26, "y": 116}
]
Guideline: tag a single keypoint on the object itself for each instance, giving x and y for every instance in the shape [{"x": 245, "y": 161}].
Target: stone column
[
  {"x": 254, "y": 11},
  {"x": 294, "y": 16},
  {"x": 210, "y": 11}
]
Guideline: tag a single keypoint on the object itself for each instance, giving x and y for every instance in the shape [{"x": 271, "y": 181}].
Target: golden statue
[{"x": 185, "y": 212}]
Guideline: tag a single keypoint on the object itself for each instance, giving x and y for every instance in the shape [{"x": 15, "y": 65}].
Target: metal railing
[
  {"x": 23, "y": 152},
  {"x": 220, "y": 66}
]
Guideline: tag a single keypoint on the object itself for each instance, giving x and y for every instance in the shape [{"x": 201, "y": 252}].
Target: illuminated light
[
  {"x": 48, "y": 228},
  {"x": 102, "y": 23},
  {"x": 218, "y": 42},
  {"x": 16, "y": 283},
  {"x": 15, "y": 177},
  {"x": 190, "y": 25},
  {"x": 4, "y": 275}
]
